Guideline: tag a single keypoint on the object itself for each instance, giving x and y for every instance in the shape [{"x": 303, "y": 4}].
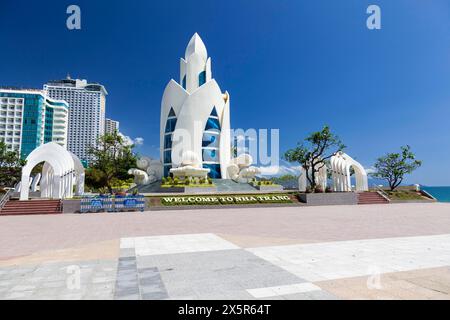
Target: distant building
[
  {"x": 29, "y": 118},
  {"x": 111, "y": 125},
  {"x": 87, "y": 112}
]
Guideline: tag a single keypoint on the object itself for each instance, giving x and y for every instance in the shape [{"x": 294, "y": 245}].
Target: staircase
[
  {"x": 16, "y": 207},
  {"x": 371, "y": 198}
]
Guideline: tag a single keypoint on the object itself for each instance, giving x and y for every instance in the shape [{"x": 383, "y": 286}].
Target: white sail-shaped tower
[{"x": 195, "y": 115}]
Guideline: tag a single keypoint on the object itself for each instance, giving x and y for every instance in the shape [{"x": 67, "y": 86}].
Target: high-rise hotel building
[
  {"x": 111, "y": 125},
  {"x": 29, "y": 118},
  {"x": 87, "y": 112}
]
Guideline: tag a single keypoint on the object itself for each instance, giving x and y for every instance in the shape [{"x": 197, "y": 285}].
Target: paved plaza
[{"x": 397, "y": 251}]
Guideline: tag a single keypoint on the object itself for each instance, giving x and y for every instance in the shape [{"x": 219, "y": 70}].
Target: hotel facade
[
  {"x": 111, "y": 126},
  {"x": 29, "y": 118},
  {"x": 87, "y": 103}
]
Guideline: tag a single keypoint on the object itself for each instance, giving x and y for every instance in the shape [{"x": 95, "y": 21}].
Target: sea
[{"x": 442, "y": 194}]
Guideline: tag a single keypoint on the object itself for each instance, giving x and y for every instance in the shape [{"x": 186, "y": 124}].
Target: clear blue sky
[{"x": 293, "y": 65}]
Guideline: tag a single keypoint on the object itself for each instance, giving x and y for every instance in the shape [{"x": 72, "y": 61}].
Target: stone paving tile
[
  {"x": 215, "y": 274},
  {"x": 151, "y": 285},
  {"x": 181, "y": 243},
  {"x": 415, "y": 284},
  {"x": 345, "y": 259},
  {"x": 50, "y": 280},
  {"x": 127, "y": 283}
]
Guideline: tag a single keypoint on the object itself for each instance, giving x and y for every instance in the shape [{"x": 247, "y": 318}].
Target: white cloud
[
  {"x": 279, "y": 170},
  {"x": 370, "y": 170},
  {"x": 139, "y": 141}
]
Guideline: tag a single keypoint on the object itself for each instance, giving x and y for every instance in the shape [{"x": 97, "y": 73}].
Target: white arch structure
[
  {"x": 340, "y": 171},
  {"x": 61, "y": 171}
]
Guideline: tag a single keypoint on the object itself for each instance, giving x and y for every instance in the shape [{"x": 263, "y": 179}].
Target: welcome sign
[{"x": 228, "y": 199}]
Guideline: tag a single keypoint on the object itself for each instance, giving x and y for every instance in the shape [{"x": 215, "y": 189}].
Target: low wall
[
  {"x": 269, "y": 188},
  {"x": 71, "y": 206},
  {"x": 332, "y": 198}
]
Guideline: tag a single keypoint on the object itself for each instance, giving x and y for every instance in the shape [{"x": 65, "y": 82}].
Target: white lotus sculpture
[
  {"x": 241, "y": 170},
  {"x": 191, "y": 166},
  {"x": 148, "y": 171}
]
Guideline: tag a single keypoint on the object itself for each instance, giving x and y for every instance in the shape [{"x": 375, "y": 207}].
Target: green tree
[
  {"x": 10, "y": 166},
  {"x": 394, "y": 166},
  {"x": 315, "y": 152},
  {"x": 112, "y": 158}
]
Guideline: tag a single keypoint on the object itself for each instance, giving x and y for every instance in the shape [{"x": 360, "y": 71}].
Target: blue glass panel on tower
[
  {"x": 214, "y": 112},
  {"x": 167, "y": 170},
  {"x": 212, "y": 124},
  {"x": 210, "y": 140},
  {"x": 214, "y": 172},
  {"x": 168, "y": 156},
  {"x": 168, "y": 141},
  {"x": 201, "y": 78},
  {"x": 171, "y": 113},
  {"x": 211, "y": 155},
  {"x": 170, "y": 125}
]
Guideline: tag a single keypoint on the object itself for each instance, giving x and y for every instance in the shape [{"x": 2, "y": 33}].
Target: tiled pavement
[
  {"x": 206, "y": 266},
  {"x": 59, "y": 280},
  {"x": 345, "y": 252}
]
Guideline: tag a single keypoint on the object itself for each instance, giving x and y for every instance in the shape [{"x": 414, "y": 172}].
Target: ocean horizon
[{"x": 441, "y": 193}]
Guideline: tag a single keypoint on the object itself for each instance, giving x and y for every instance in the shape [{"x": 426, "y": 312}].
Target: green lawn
[{"x": 405, "y": 193}]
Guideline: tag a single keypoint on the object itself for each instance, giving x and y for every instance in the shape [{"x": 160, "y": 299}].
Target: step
[
  {"x": 28, "y": 209},
  {"x": 25, "y": 213}
]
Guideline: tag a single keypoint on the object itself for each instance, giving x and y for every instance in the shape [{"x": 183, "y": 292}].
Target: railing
[
  {"x": 4, "y": 199},
  {"x": 381, "y": 192}
]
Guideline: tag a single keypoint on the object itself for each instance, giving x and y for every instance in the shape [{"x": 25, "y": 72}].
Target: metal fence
[
  {"x": 134, "y": 202},
  {"x": 112, "y": 203}
]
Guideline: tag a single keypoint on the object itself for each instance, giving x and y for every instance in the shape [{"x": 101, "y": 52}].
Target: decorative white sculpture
[
  {"x": 240, "y": 169},
  {"x": 35, "y": 182},
  {"x": 340, "y": 170},
  {"x": 340, "y": 165},
  {"x": 148, "y": 171},
  {"x": 195, "y": 115},
  {"x": 190, "y": 167},
  {"x": 62, "y": 170}
]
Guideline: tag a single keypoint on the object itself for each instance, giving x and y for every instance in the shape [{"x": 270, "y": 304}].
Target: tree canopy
[
  {"x": 112, "y": 158},
  {"x": 10, "y": 166},
  {"x": 315, "y": 152},
  {"x": 394, "y": 166}
]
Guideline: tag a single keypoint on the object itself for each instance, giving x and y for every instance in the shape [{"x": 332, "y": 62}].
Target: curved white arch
[
  {"x": 60, "y": 171},
  {"x": 340, "y": 166}
]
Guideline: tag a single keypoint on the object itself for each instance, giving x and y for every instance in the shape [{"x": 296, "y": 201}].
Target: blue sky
[{"x": 293, "y": 65}]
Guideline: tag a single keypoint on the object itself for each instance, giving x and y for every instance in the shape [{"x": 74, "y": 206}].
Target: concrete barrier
[{"x": 332, "y": 198}]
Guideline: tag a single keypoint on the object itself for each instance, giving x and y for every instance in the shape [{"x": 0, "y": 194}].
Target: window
[
  {"x": 210, "y": 145},
  {"x": 184, "y": 82},
  {"x": 212, "y": 124},
  {"x": 201, "y": 78},
  {"x": 214, "y": 172}
]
